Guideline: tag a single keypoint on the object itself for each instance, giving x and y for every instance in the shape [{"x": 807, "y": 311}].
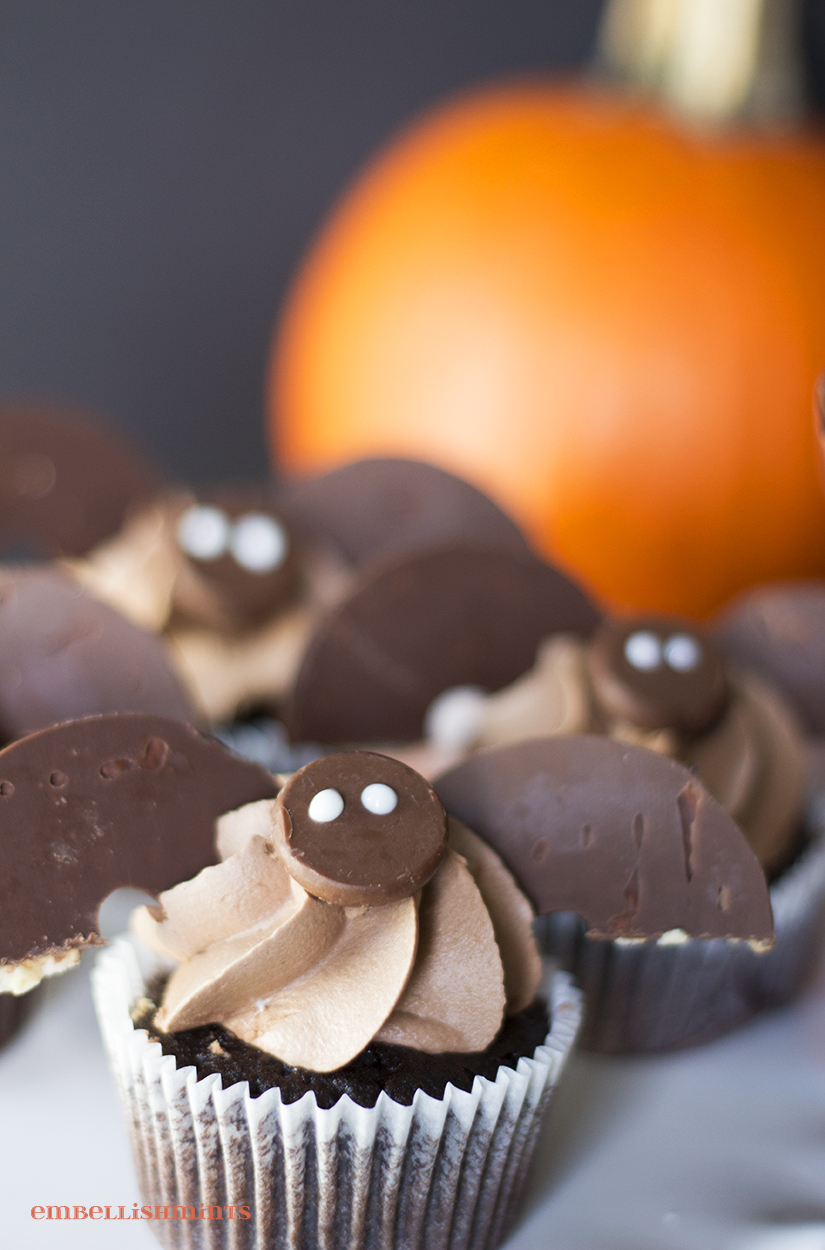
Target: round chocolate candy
[
  {"x": 384, "y": 506},
  {"x": 360, "y": 829},
  {"x": 67, "y": 482},
  {"x": 240, "y": 558},
  {"x": 658, "y": 672}
]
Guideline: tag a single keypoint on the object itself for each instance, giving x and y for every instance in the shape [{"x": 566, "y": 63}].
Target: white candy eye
[
  {"x": 683, "y": 652},
  {"x": 326, "y": 805},
  {"x": 258, "y": 543},
  {"x": 379, "y": 799},
  {"x": 455, "y": 716},
  {"x": 203, "y": 532},
  {"x": 643, "y": 650}
]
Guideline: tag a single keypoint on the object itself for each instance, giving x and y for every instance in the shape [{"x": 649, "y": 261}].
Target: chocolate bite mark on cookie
[
  {"x": 639, "y": 827},
  {"x": 623, "y": 923},
  {"x": 543, "y": 793},
  {"x": 353, "y": 851},
  {"x": 687, "y": 801},
  {"x": 137, "y": 807}
]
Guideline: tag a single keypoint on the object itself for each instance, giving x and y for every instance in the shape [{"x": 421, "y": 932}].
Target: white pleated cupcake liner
[
  {"x": 440, "y": 1174},
  {"x": 645, "y": 997}
]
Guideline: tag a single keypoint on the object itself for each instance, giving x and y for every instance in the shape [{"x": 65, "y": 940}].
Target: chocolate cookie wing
[
  {"x": 386, "y": 506},
  {"x": 463, "y": 614},
  {"x": 66, "y": 481},
  {"x": 96, "y": 804},
  {"x": 627, "y": 838},
  {"x": 779, "y": 631},
  {"x": 66, "y": 655}
]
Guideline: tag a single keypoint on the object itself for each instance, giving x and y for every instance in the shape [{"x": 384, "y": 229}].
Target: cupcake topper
[
  {"x": 360, "y": 829},
  {"x": 778, "y": 630},
  {"x": 457, "y": 615},
  {"x": 66, "y": 482},
  {"x": 382, "y": 507},
  {"x": 627, "y": 838},
  {"x": 96, "y": 804},
  {"x": 239, "y": 558},
  {"x": 658, "y": 672},
  {"x": 66, "y": 655}
]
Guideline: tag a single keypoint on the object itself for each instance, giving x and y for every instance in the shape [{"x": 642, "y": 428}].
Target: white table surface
[{"x": 719, "y": 1148}]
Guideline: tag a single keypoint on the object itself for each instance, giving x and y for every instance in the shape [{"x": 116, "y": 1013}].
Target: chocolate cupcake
[
  {"x": 662, "y": 683},
  {"x": 364, "y": 1060},
  {"x": 229, "y": 585},
  {"x": 443, "y": 1163},
  {"x": 303, "y": 981},
  {"x": 239, "y": 579},
  {"x": 363, "y": 987}
]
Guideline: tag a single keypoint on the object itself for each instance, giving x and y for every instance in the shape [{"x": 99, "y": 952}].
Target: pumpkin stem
[{"x": 710, "y": 61}]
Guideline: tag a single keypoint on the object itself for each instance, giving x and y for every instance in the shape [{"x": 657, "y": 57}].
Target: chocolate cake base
[
  {"x": 435, "y": 1173},
  {"x": 397, "y": 1070}
]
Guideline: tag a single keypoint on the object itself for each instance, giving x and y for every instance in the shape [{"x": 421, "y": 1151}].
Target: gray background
[{"x": 163, "y": 164}]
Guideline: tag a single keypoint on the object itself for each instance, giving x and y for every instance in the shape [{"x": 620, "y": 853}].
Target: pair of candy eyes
[
  {"x": 328, "y": 804},
  {"x": 646, "y": 651},
  {"x": 256, "y": 541}
]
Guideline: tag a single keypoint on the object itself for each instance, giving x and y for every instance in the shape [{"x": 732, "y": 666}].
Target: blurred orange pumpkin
[{"x": 610, "y": 322}]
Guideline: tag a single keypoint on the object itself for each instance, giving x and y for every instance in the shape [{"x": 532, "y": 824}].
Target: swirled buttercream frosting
[{"x": 346, "y": 910}]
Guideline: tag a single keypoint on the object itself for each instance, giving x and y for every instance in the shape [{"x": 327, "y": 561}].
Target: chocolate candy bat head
[
  {"x": 627, "y": 838},
  {"x": 240, "y": 559},
  {"x": 93, "y": 805},
  {"x": 67, "y": 481},
  {"x": 360, "y": 829},
  {"x": 658, "y": 672},
  {"x": 459, "y": 615},
  {"x": 383, "y": 507}
]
